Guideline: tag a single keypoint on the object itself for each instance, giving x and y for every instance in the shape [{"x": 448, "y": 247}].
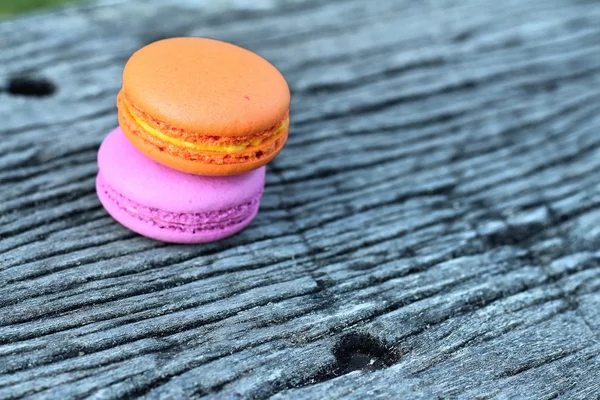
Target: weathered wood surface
[{"x": 431, "y": 230}]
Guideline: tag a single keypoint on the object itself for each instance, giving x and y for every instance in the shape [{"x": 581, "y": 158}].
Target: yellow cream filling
[{"x": 195, "y": 146}]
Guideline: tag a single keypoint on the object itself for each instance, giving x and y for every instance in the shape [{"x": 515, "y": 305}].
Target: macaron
[
  {"x": 173, "y": 206},
  {"x": 204, "y": 106}
]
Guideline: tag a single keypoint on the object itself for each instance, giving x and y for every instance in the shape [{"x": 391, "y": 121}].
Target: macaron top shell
[
  {"x": 153, "y": 185},
  {"x": 206, "y": 86}
]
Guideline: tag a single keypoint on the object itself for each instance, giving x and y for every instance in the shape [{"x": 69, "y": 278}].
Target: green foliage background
[{"x": 11, "y": 7}]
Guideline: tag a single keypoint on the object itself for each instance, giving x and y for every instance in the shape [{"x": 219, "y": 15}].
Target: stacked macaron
[{"x": 198, "y": 120}]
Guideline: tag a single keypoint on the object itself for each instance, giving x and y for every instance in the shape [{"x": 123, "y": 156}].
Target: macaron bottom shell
[
  {"x": 172, "y": 206},
  {"x": 159, "y": 225}
]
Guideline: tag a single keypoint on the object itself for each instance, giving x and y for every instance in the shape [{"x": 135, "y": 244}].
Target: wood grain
[{"x": 429, "y": 231}]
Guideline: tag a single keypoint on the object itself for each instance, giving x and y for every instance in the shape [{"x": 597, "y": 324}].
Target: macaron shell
[
  {"x": 157, "y": 232},
  {"x": 154, "y": 185},
  {"x": 206, "y": 86},
  {"x": 195, "y": 167}
]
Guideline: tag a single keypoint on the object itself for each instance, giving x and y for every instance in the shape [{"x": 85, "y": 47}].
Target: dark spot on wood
[
  {"x": 512, "y": 236},
  {"x": 353, "y": 352},
  {"x": 468, "y": 85},
  {"x": 28, "y": 86},
  {"x": 323, "y": 283},
  {"x": 577, "y": 23},
  {"x": 361, "y": 265},
  {"x": 512, "y": 42},
  {"x": 361, "y": 351},
  {"x": 551, "y": 86},
  {"x": 463, "y": 36},
  {"x": 408, "y": 252}
]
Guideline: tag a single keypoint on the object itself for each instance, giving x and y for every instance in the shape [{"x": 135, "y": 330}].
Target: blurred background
[
  {"x": 13, "y": 7},
  {"x": 10, "y": 8}
]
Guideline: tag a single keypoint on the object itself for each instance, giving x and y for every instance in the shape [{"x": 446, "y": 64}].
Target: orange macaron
[{"x": 204, "y": 106}]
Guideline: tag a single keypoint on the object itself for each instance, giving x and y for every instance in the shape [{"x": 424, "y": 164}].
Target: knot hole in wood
[
  {"x": 362, "y": 351},
  {"x": 30, "y": 86}
]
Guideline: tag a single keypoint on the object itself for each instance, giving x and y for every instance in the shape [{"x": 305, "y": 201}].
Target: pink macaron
[{"x": 169, "y": 205}]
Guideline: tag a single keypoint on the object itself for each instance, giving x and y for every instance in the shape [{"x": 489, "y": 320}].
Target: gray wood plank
[{"x": 429, "y": 231}]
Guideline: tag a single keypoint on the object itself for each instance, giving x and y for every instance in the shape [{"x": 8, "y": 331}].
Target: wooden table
[{"x": 431, "y": 230}]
